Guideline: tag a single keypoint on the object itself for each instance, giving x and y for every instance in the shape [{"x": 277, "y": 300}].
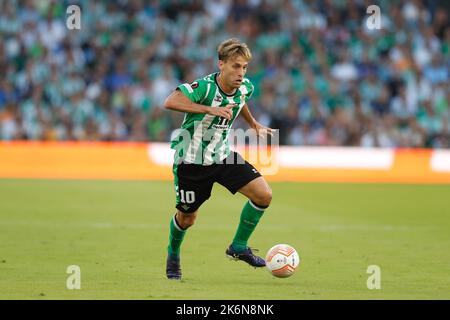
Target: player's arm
[
  {"x": 179, "y": 102},
  {"x": 261, "y": 130},
  {"x": 245, "y": 113}
]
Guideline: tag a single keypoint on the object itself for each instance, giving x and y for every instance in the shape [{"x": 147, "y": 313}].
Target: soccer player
[{"x": 203, "y": 156}]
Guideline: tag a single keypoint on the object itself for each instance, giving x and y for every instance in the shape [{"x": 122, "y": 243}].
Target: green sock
[
  {"x": 176, "y": 236},
  {"x": 249, "y": 219}
]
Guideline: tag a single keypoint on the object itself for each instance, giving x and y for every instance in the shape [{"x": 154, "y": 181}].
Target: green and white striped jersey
[{"x": 203, "y": 138}]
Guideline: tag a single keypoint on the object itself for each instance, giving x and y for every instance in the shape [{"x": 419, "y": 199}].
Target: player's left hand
[{"x": 263, "y": 131}]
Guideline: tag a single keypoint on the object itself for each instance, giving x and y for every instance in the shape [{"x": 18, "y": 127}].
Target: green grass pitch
[{"x": 116, "y": 232}]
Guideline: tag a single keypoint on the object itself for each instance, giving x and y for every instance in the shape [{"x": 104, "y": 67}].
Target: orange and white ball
[{"x": 282, "y": 260}]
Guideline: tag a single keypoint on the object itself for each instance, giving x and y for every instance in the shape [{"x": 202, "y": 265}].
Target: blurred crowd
[{"x": 321, "y": 76}]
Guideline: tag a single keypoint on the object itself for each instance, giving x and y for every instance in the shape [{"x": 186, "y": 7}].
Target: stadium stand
[{"x": 321, "y": 76}]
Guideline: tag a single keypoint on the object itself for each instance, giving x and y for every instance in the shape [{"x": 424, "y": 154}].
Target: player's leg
[
  {"x": 186, "y": 220},
  {"x": 258, "y": 191},
  {"x": 260, "y": 195},
  {"x": 243, "y": 177},
  {"x": 179, "y": 223},
  {"x": 192, "y": 187}
]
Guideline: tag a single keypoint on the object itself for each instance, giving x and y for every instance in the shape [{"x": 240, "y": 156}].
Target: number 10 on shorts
[{"x": 187, "y": 197}]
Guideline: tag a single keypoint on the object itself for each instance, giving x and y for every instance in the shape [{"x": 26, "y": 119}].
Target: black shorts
[{"x": 194, "y": 182}]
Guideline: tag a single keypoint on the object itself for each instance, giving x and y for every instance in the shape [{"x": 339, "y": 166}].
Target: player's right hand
[{"x": 225, "y": 112}]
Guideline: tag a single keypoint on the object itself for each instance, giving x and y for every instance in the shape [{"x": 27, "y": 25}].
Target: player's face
[{"x": 233, "y": 70}]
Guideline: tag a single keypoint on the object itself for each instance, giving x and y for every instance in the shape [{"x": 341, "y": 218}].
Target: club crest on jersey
[
  {"x": 194, "y": 85},
  {"x": 218, "y": 98}
]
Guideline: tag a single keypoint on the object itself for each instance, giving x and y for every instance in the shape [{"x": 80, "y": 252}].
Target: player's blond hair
[{"x": 233, "y": 47}]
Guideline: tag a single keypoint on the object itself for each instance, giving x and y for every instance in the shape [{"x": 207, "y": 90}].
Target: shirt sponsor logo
[{"x": 220, "y": 126}]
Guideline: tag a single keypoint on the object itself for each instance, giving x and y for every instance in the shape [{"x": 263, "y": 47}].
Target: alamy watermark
[
  {"x": 374, "y": 20},
  {"x": 73, "y": 21},
  {"x": 374, "y": 280},
  {"x": 73, "y": 281},
  {"x": 210, "y": 145}
]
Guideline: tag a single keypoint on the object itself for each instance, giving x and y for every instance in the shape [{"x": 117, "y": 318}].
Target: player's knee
[
  {"x": 186, "y": 220},
  {"x": 267, "y": 198},
  {"x": 264, "y": 198}
]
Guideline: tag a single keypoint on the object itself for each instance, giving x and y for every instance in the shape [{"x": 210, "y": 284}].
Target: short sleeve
[
  {"x": 247, "y": 89},
  {"x": 195, "y": 91},
  {"x": 250, "y": 89}
]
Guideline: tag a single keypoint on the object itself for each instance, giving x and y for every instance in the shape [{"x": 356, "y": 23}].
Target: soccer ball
[{"x": 282, "y": 260}]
